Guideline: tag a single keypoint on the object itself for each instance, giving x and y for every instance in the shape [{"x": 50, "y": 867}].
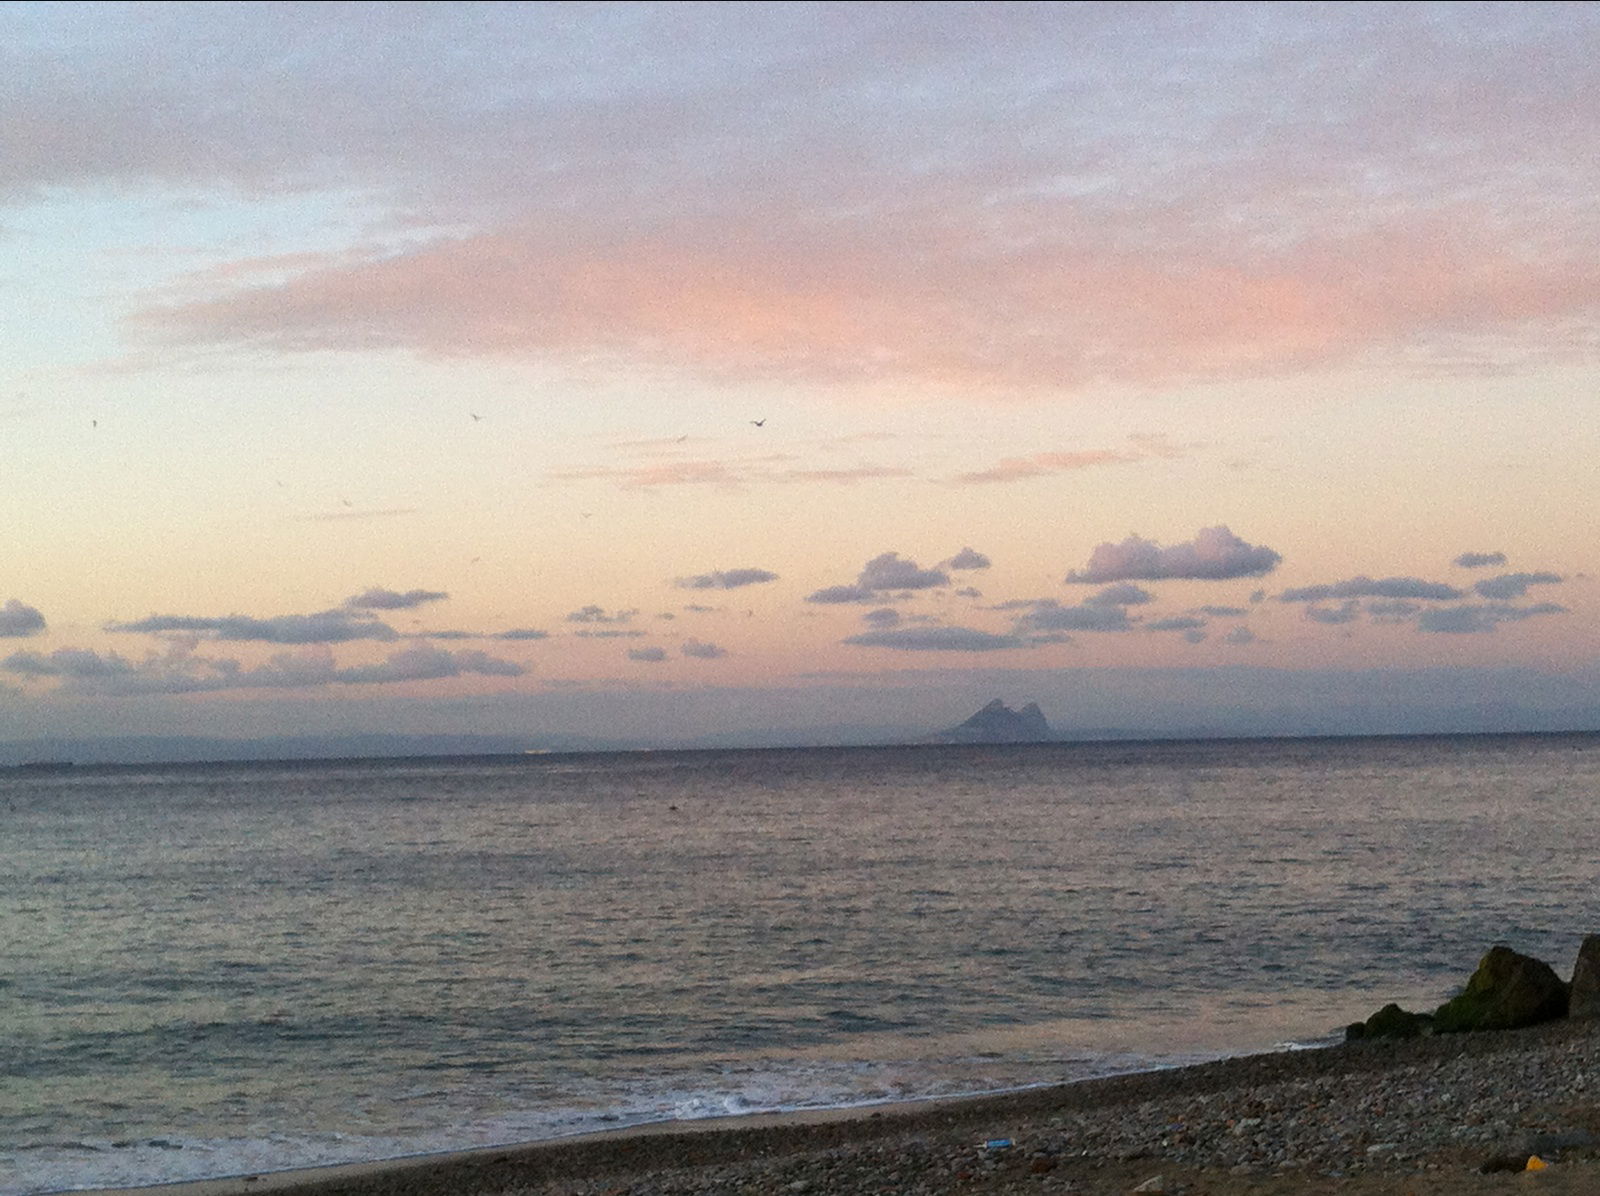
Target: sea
[{"x": 211, "y": 970}]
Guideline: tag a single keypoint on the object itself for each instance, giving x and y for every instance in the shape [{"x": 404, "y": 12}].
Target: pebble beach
[{"x": 1447, "y": 1114}]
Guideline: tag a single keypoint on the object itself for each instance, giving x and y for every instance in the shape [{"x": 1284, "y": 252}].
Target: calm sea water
[{"x": 212, "y": 970}]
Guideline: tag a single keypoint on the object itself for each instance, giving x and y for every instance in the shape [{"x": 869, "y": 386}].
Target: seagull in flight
[
  {"x": 758, "y": 422},
  {"x": 475, "y": 416}
]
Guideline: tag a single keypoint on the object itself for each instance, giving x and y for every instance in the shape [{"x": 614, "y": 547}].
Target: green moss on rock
[
  {"x": 1509, "y": 990},
  {"x": 1393, "y": 1022}
]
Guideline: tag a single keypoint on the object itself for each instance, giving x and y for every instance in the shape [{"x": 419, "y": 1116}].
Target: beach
[{"x": 1421, "y": 1117}]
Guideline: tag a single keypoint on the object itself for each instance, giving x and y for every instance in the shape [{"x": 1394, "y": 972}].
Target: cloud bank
[{"x": 180, "y": 671}]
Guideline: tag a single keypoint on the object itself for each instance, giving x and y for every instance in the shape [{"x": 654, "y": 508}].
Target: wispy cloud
[
  {"x": 1368, "y": 587},
  {"x": 732, "y": 474},
  {"x": 324, "y": 627},
  {"x": 598, "y": 614},
  {"x": 338, "y": 516},
  {"x": 1469, "y": 619},
  {"x": 1142, "y": 447},
  {"x": 378, "y": 598},
  {"x": 702, "y": 650},
  {"x": 725, "y": 579},
  {"x": 938, "y": 639}
]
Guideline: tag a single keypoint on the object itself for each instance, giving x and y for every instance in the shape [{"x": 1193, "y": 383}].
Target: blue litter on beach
[{"x": 998, "y": 1144}]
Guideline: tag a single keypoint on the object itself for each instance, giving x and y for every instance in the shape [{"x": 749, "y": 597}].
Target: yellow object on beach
[{"x": 1535, "y": 1163}]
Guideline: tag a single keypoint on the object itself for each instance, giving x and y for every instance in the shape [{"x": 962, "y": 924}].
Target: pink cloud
[
  {"x": 965, "y": 315},
  {"x": 725, "y": 473}
]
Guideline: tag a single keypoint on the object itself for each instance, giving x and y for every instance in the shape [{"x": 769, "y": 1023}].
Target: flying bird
[
  {"x": 475, "y": 416},
  {"x": 759, "y": 422}
]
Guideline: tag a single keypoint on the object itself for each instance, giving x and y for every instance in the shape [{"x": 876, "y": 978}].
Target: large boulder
[
  {"x": 1586, "y": 980},
  {"x": 1507, "y": 991}
]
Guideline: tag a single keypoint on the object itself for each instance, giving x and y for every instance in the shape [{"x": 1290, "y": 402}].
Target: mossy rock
[
  {"x": 1390, "y": 1022},
  {"x": 1509, "y": 990}
]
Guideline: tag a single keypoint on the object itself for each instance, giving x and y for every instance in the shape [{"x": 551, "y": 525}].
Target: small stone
[
  {"x": 1380, "y": 1149},
  {"x": 1155, "y": 1184}
]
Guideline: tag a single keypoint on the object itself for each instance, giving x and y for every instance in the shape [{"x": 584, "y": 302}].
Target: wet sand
[{"x": 1417, "y": 1117}]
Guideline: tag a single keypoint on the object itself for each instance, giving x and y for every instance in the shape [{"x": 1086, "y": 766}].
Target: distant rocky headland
[{"x": 998, "y": 723}]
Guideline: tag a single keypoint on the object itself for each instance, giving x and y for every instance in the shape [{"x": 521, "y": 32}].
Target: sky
[{"x": 653, "y": 371}]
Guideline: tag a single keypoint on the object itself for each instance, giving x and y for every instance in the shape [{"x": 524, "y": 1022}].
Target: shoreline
[{"x": 1335, "y": 1119}]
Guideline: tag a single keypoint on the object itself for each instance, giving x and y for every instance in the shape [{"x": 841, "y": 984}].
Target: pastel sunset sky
[{"x": 643, "y": 371}]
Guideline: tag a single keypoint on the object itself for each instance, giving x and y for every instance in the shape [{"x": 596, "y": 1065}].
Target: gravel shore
[{"x": 1419, "y": 1117}]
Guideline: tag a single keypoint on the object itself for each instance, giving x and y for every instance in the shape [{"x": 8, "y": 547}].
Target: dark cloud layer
[{"x": 1480, "y": 560}]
